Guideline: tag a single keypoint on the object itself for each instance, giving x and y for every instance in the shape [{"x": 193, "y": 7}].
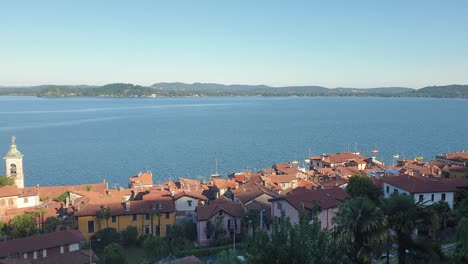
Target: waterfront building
[
  {"x": 424, "y": 190},
  {"x": 185, "y": 204}
]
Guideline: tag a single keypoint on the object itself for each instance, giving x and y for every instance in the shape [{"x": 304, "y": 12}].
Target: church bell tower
[{"x": 14, "y": 164}]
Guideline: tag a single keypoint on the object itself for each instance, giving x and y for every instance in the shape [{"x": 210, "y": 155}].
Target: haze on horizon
[{"x": 278, "y": 43}]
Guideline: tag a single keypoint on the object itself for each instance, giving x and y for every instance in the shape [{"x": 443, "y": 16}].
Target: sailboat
[
  {"x": 216, "y": 174},
  {"x": 375, "y": 151}
]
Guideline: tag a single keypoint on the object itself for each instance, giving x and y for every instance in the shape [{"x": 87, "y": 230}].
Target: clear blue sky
[{"x": 331, "y": 43}]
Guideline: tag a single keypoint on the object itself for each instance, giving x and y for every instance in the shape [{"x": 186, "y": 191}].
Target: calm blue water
[{"x": 81, "y": 140}]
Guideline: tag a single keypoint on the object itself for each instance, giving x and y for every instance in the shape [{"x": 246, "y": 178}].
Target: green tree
[
  {"x": 362, "y": 186},
  {"x": 129, "y": 235},
  {"x": 105, "y": 213},
  {"x": 104, "y": 237},
  {"x": 405, "y": 217},
  {"x": 23, "y": 225},
  {"x": 226, "y": 257},
  {"x": 155, "y": 248},
  {"x": 6, "y": 181},
  {"x": 113, "y": 254},
  {"x": 440, "y": 217},
  {"x": 461, "y": 252},
  {"x": 215, "y": 230},
  {"x": 51, "y": 224},
  {"x": 62, "y": 197},
  {"x": 252, "y": 220},
  {"x": 363, "y": 226}
]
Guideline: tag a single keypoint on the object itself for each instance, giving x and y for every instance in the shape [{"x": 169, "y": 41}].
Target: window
[
  {"x": 395, "y": 191},
  {"x": 232, "y": 225},
  {"x": 208, "y": 227},
  {"x": 432, "y": 197},
  {"x": 134, "y": 217},
  {"x": 2, "y": 202},
  {"x": 220, "y": 213},
  {"x": 189, "y": 203},
  {"x": 279, "y": 206},
  {"x": 25, "y": 200},
  {"x": 443, "y": 197},
  {"x": 147, "y": 216},
  {"x": 168, "y": 215},
  {"x": 40, "y": 254},
  {"x": 90, "y": 226},
  {"x": 158, "y": 230},
  {"x": 114, "y": 219},
  {"x": 147, "y": 230},
  {"x": 66, "y": 248},
  {"x": 388, "y": 189},
  {"x": 10, "y": 201},
  {"x": 168, "y": 229},
  {"x": 421, "y": 198}
]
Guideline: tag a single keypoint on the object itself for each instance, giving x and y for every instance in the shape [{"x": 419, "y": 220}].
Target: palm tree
[
  {"x": 362, "y": 226},
  {"x": 105, "y": 213},
  {"x": 405, "y": 217}
]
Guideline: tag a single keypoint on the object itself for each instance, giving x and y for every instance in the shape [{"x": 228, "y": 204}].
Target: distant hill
[
  {"x": 450, "y": 91},
  {"x": 175, "y": 89}
]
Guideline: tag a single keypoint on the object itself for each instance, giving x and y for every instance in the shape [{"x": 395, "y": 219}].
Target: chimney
[{"x": 127, "y": 206}]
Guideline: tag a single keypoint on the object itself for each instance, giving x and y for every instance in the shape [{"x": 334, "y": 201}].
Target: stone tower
[{"x": 14, "y": 164}]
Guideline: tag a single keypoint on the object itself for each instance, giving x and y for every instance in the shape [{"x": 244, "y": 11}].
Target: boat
[
  {"x": 396, "y": 156},
  {"x": 375, "y": 151},
  {"x": 216, "y": 174}
]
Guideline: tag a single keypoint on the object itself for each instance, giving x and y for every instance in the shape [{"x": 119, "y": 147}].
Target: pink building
[
  {"x": 325, "y": 200},
  {"x": 225, "y": 216}
]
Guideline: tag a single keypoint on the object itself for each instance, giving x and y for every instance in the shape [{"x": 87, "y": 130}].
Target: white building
[
  {"x": 424, "y": 190},
  {"x": 185, "y": 204}
]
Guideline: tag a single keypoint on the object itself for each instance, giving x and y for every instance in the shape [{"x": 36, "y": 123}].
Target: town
[{"x": 191, "y": 221}]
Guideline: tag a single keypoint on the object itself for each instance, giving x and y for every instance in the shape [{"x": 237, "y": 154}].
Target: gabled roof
[
  {"x": 341, "y": 157},
  {"x": 7, "y": 191},
  {"x": 55, "y": 191},
  {"x": 224, "y": 184},
  {"x": 37, "y": 242},
  {"x": 416, "y": 184},
  {"x": 325, "y": 198},
  {"x": 142, "y": 178},
  {"x": 136, "y": 207},
  {"x": 189, "y": 194},
  {"x": 251, "y": 190},
  {"x": 208, "y": 211}
]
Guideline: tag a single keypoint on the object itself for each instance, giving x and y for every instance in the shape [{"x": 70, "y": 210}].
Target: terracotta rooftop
[
  {"x": 55, "y": 191},
  {"x": 251, "y": 190},
  {"x": 74, "y": 257},
  {"x": 341, "y": 157},
  {"x": 44, "y": 241},
  {"x": 224, "y": 184},
  {"x": 7, "y": 191},
  {"x": 333, "y": 183},
  {"x": 286, "y": 168},
  {"x": 306, "y": 183},
  {"x": 181, "y": 194},
  {"x": 208, "y": 211},
  {"x": 415, "y": 184},
  {"x": 145, "y": 178},
  {"x": 187, "y": 260},
  {"x": 136, "y": 207},
  {"x": 325, "y": 198}
]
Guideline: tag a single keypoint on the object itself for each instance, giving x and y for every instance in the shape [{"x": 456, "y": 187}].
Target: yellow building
[{"x": 149, "y": 216}]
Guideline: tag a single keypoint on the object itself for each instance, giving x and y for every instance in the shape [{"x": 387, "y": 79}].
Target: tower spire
[{"x": 14, "y": 164}]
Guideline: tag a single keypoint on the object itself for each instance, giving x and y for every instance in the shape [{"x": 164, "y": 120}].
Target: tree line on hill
[{"x": 214, "y": 89}]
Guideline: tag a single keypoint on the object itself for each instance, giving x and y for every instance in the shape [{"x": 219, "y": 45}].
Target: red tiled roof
[
  {"x": 415, "y": 184},
  {"x": 208, "y": 211},
  {"x": 457, "y": 168},
  {"x": 251, "y": 190},
  {"x": 55, "y": 191},
  {"x": 44, "y": 241},
  {"x": 224, "y": 184},
  {"x": 283, "y": 178},
  {"x": 333, "y": 183},
  {"x": 221, "y": 199},
  {"x": 7, "y": 191},
  {"x": 325, "y": 198},
  {"x": 306, "y": 183},
  {"x": 30, "y": 191},
  {"x": 136, "y": 207},
  {"x": 341, "y": 157},
  {"x": 189, "y": 194},
  {"x": 142, "y": 178}
]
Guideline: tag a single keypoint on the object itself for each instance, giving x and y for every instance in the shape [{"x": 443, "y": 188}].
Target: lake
[{"x": 83, "y": 140}]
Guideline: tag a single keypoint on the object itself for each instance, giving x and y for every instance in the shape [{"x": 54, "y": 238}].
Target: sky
[{"x": 329, "y": 43}]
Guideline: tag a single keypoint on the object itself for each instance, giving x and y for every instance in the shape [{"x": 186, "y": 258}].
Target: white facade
[
  {"x": 427, "y": 198},
  {"x": 185, "y": 208},
  {"x": 29, "y": 201}
]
